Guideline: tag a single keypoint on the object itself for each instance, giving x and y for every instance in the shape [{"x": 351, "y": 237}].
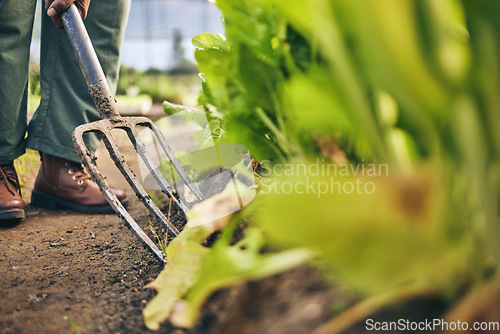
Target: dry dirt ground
[{"x": 65, "y": 272}]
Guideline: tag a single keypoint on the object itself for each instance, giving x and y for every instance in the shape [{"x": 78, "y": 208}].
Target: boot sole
[
  {"x": 12, "y": 214},
  {"x": 46, "y": 201}
]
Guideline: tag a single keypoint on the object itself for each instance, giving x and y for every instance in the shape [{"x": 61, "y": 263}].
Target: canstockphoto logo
[{"x": 223, "y": 172}]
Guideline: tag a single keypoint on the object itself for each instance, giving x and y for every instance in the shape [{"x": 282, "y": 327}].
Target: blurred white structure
[
  {"x": 152, "y": 31},
  {"x": 154, "y": 26}
]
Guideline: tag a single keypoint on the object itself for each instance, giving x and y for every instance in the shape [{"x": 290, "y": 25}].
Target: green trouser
[{"x": 65, "y": 101}]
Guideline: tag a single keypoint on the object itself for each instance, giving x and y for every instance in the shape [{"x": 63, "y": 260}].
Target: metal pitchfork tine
[{"x": 111, "y": 119}]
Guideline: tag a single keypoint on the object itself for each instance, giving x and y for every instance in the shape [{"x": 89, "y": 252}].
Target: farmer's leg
[
  {"x": 16, "y": 25},
  {"x": 66, "y": 103}
]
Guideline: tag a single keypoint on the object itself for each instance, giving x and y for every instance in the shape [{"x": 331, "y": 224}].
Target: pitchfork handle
[{"x": 89, "y": 63}]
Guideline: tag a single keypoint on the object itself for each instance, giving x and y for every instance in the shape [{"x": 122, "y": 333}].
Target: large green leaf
[
  {"x": 184, "y": 256},
  {"x": 210, "y": 41},
  {"x": 194, "y": 272},
  {"x": 230, "y": 265},
  {"x": 375, "y": 232}
]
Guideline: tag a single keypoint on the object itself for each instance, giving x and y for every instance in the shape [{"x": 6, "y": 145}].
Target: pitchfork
[{"x": 111, "y": 119}]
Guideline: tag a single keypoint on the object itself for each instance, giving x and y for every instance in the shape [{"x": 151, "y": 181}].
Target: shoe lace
[
  {"x": 79, "y": 173},
  {"x": 8, "y": 173}
]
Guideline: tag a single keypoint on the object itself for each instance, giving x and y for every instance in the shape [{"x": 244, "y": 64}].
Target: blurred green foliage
[
  {"x": 34, "y": 86},
  {"x": 243, "y": 73},
  {"x": 34, "y": 78},
  {"x": 157, "y": 84},
  {"x": 194, "y": 272},
  {"x": 408, "y": 83},
  {"x": 154, "y": 83}
]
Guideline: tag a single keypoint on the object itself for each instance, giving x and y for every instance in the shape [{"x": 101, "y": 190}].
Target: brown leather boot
[
  {"x": 62, "y": 183},
  {"x": 11, "y": 202}
]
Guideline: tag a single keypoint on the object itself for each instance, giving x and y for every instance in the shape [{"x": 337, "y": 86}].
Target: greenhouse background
[{"x": 157, "y": 28}]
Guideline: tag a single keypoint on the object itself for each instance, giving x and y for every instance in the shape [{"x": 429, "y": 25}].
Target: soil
[
  {"x": 296, "y": 301},
  {"x": 103, "y": 102},
  {"x": 67, "y": 272}
]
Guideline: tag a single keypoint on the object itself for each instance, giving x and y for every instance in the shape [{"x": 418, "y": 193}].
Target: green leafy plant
[
  {"x": 162, "y": 242},
  {"x": 243, "y": 74},
  {"x": 411, "y": 84},
  {"x": 194, "y": 272}
]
